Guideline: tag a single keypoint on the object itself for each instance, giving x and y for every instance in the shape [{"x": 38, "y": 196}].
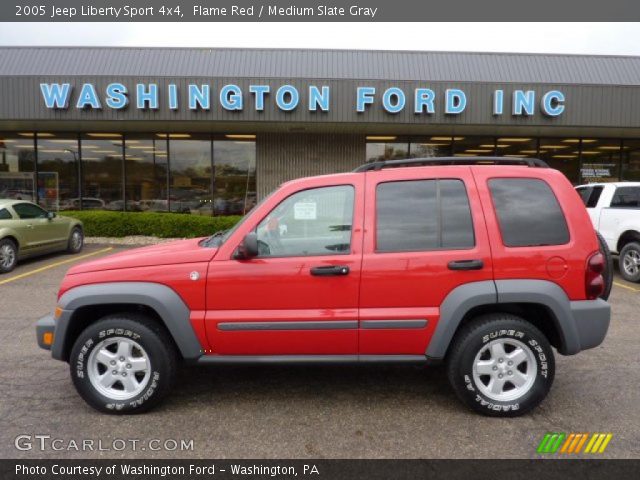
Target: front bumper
[
  {"x": 45, "y": 329},
  {"x": 591, "y": 320}
]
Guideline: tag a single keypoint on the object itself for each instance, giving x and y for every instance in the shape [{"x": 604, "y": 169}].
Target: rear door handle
[
  {"x": 330, "y": 271},
  {"x": 466, "y": 265}
]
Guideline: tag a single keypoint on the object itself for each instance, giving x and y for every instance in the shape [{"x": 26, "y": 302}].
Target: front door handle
[
  {"x": 330, "y": 271},
  {"x": 466, "y": 265}
]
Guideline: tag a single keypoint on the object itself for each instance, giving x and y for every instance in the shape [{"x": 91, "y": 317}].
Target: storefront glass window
[
  {"x": 190, "y": 184},
  {"x": 17, "y": 165},
  {"x": 58, "y": 171},
  {"x": 562, "y": 154},
  {"x": 474, "y": 146},
  {"x": 521, "y": 147},
  {"x": 600, "y": 160},
  {"x": 428, "y": 147},
  {"x": 387, "y": 150},
  {"x": 102, "y": 171},
  {"x": 631, "y": 161},
  {"x": 146, "y": 173},
  {"x": 235, "y": 181}
]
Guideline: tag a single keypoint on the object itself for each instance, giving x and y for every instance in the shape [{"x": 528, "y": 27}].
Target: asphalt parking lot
[{"x": 306, "y": 412}]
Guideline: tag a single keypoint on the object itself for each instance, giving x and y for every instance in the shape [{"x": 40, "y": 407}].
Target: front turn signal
[{"x": 47, "y": 338}]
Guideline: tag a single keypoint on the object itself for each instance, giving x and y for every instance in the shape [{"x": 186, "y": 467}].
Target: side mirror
[
  {"x": 248, "y": 248},
  {"x": 51, "y": 215}
]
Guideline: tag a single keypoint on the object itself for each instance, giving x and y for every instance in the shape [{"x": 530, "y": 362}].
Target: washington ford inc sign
[{"x": 148, "y": 96}]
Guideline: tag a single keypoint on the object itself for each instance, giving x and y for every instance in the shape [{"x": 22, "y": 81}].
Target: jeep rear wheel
[
  {"x": 501, "y": 365},
  {"x": 124, "y": 363}
]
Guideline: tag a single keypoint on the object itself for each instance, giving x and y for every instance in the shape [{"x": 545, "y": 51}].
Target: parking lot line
[
  {"x": 626, "y": 286},
  {"x": 52, "y": 265}
]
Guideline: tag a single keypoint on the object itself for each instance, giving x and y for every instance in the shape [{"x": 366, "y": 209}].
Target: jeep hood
[{"x": 170, "y": 253}]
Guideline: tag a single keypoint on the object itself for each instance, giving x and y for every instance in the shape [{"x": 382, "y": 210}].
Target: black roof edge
[{"x": 439, "y": 161}]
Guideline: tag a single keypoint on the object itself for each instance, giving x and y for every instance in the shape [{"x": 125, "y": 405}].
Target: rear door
[
  {"x": 425, "y": 236},
  {"x": 622, "y": 214},
  {"x": 299, "y": 296}
]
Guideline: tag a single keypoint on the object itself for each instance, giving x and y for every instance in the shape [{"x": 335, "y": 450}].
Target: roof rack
[{"x": 435, "y": 161}]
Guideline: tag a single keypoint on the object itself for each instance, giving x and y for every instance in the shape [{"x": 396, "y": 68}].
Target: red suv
[{"x": 483, "y": 263}]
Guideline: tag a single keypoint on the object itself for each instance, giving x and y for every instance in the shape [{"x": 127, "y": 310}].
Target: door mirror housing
[
  {"x": 248, "y": 248},
  {"x": 51, "y": 215}
]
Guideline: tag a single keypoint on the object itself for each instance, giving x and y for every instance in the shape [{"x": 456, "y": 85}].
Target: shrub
[{"x": 99, "y": 223}]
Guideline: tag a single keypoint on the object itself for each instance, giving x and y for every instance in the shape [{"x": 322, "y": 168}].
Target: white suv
[{"x": 614, "y": 209}]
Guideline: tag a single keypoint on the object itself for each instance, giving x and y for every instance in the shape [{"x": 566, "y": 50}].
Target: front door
[
  {"x": 36, "y": 228},
  {"x": 299, "y": 296},
  {"x": 426, "y": 236}
]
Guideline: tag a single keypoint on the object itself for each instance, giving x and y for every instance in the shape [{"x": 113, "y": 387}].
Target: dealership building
[{"x": 211, "y": 131}]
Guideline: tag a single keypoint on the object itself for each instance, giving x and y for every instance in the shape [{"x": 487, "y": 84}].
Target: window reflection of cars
[
  {"x": 87, "y": 204},
  {"x": 116, "y": 205}
]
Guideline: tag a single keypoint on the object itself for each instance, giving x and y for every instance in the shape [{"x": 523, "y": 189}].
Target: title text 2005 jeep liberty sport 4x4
[{"x": 484, "y": 263}]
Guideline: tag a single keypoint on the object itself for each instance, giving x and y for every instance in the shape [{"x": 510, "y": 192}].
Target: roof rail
[{"x": 435, "y": 161}]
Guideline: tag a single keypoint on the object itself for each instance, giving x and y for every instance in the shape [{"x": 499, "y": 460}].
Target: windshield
[{"x": 221, "y": 236}]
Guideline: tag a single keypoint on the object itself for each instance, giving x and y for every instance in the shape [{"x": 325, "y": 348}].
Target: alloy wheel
[
  {"x": 504, "y": 369},
  {"x": 119, "y": 368}
]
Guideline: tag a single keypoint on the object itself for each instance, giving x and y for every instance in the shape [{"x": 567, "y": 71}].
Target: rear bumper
[
  {"x": 45, "y": 325},
  {"x": 591, "y": 319}
]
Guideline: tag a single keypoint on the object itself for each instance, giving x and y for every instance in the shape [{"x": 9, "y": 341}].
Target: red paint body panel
[
  {"x": 407, "y": 283},
  {"x": 279, "y": 289},
  {"x": 170, "y": 253},
  {"x": 531, "y": 262},
  {"x": 175, "y": 277}
]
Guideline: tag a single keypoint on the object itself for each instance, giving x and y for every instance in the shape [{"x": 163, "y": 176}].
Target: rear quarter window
[
  {"x": 528, "y": 212},
  {"x": 4, "y": 214}
]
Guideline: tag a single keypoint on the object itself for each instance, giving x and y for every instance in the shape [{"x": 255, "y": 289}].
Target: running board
[{"x": 307, "y": 359}]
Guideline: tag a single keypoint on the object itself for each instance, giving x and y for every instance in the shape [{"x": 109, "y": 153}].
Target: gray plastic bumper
[
  {"x": 45, "y": 325},
  {"x": 591, "y": 318}
]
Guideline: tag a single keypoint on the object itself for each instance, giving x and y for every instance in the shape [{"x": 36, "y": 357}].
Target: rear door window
[
  {"x": 419, "y": 215},
  {"x": 528, "y": 212}
]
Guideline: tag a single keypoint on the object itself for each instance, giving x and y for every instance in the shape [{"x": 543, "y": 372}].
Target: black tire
[
  {"x": 73, "y": 245},
  {"x": 608, "y": 267},
  {"x": 8, "y": 255},
  {"x": 128, "y": 327},
  {"x": 478, "y": 336},
  {"x": 630, "y": 250}
]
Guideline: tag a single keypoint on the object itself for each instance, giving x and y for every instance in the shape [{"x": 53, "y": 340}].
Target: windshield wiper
[{"x": 210, "y": 241}]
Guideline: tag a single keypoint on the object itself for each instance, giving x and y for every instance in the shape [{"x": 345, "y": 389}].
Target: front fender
[{"x": 171, "y": 309}]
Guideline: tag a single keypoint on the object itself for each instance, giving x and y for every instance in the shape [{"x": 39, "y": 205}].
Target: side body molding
[
  {"x": 456, "y": 304},
  {"x": 172, "y": 310}
]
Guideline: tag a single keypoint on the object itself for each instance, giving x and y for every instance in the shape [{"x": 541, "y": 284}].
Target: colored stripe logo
[{"x": 573, "y": 443}]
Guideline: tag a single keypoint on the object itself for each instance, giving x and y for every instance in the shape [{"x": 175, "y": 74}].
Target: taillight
[{"x": 594, "y": 281}]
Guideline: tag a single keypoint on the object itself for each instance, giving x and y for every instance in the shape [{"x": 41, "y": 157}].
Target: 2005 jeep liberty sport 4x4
[{"x": 484, "y": 263}]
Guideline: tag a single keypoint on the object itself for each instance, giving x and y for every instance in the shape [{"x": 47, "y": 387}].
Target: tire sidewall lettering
[
  {"x": 531, "y": 343},
  {"x": 81, "y": 369}
]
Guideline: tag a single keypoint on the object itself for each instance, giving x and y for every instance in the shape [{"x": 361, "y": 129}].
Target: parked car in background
[
  {"x": 27, "y": 230},
  {"x": 614, "y": 209},
  {"x": 418, "y": 261},
  {"x": 88, "y": 203},
  {"x": 117, "y": 206}
]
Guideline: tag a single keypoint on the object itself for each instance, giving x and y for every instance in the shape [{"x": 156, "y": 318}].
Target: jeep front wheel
[
  {"x": 123, "y": 363},
  {"x": 501, "y": 365}
]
